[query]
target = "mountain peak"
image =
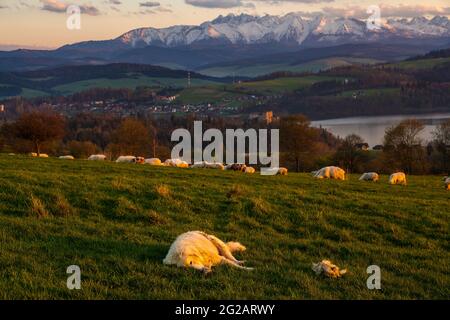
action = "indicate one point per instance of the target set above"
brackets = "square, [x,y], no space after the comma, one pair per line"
[292,27]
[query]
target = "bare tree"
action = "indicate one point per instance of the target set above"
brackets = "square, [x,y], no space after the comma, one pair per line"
[403,146]
[298,140]
[442,144]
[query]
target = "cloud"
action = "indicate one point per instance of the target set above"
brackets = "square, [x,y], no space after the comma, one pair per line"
[244,3]
[116,2]
[387,11]
[224,4]
[61,7]
[149,4]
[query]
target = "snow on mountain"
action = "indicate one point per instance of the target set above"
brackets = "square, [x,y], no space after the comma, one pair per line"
[247,29]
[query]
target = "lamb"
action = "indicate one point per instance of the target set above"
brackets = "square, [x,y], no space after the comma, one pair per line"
[153,162]
[97,157]
[398,178]
[330,173]
[67,158]
[201,251]
[370,176]
[282,172]
[328,269]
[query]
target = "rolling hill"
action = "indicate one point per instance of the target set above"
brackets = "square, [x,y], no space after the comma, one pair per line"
[71,79]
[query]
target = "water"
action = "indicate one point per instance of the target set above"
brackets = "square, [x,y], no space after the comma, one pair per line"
[372,129]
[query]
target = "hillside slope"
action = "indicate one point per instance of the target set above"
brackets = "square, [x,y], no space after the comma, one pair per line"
[112,221]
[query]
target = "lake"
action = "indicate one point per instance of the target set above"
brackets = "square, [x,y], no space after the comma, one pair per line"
[372,129]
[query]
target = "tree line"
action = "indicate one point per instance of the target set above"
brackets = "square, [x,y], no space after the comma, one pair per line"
[302,147]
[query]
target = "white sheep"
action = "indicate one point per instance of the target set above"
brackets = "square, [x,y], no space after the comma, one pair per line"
[126,159]
[153,162]
[330,173]
[207,165]
[66,158]
[201,251]
[177,163]
[97,157]
[398,178]
[250,170]
[370,176]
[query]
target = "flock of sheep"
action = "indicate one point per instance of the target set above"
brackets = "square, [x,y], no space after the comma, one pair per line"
[331,172]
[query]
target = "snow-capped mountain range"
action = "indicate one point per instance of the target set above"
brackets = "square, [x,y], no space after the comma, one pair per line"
[238,40]
[247,29]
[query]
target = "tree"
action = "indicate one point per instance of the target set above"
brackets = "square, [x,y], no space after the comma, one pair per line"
[298,140]
[39,127]
[442,144]
[132,138]
[403,146]
[350,154]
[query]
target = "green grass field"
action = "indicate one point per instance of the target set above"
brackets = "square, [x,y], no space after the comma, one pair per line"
[130,83]
[263,69]
[420,64]
[114,221]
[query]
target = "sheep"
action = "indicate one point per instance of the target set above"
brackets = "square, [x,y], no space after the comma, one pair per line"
[282,172]
[330,173]
[177,163]
[250,170]
[207,165]
[328,269]
[236,167]
[398,178]
[97,157]
[153,162]
[66,158]
[126,159]
[276,171]
[201,251]
[370,176]
[447,183]
[42,155]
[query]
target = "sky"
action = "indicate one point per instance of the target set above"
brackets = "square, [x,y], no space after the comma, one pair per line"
[41,24]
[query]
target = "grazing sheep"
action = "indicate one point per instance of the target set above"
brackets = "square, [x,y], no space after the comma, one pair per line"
[370,176]
[282,172]
[250,170]
[153,162]
[207,165]
[97,157]
[67,158]
[236,167]
[328,269]
[201,251]
[330,173]
[398,178]
[126,159]
[447,183]
[176,163]
[42,155]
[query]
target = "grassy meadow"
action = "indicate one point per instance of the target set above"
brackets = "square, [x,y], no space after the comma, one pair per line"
[117,221]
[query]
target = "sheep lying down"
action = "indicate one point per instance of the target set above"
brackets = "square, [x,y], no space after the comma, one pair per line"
[328,269]
[201,251]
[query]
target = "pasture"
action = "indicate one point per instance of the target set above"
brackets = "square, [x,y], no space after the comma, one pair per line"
[117,221]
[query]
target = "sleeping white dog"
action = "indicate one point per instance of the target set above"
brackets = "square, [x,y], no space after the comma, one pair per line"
[201,251]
